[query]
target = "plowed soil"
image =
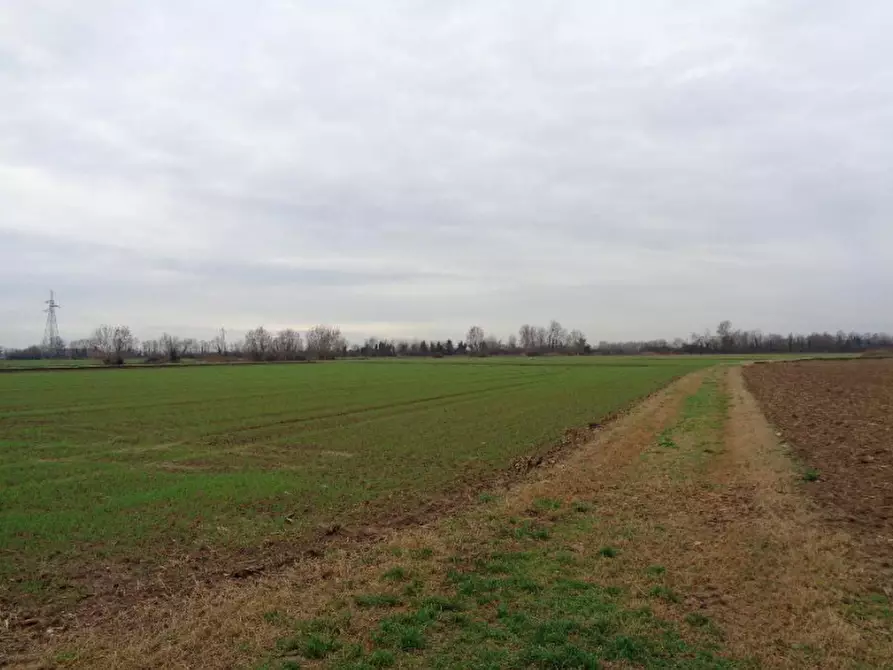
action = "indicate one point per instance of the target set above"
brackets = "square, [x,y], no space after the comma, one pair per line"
[838,418]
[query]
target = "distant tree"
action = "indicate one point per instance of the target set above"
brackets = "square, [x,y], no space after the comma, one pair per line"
[171,347]
[112,342]
[512,344]
[526,337]
[423,348]
[448,348]
[491,345]
[287,345]
[540,338]
[325,341]
[461,348]
[577,342]
[724,335]
[475,339]
[556,336]
[220,342]
[259,343]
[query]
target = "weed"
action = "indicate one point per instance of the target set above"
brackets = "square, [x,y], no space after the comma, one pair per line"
[566,558]
[546,504]
[442,604]
[609,552]
[420,554]
[414,588]
[376,600]
[397,574]
[562,656]
[316,646]
[664,593]
[696,619]
[275,617]
[66,657]
[664,440]
[486,498]
[530,530]
[655,570]
[381,658]
[582,506]
[400,634]
[289,665]
[811,475]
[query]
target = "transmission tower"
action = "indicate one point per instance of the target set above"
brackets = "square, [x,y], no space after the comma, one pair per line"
[52,343]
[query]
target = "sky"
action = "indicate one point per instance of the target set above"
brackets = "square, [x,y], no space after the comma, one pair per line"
[408,169]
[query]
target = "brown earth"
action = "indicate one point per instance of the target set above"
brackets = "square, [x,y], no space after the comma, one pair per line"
[838,418]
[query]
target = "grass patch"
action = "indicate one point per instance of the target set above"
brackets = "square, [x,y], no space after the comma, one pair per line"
[811,475]
[397,574]
[530,530]
[696,619]
[376,600]
[665,441]
[664,593]
[381,658]
[546,504]
[609,552]
[400,635]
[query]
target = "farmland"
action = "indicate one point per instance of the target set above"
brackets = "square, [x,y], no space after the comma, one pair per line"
[141,476]
[838,418]
[461,513]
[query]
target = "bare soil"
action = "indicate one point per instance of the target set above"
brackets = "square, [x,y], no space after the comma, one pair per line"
[838,418]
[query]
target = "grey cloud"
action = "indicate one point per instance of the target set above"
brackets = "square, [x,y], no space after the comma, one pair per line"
[411,168]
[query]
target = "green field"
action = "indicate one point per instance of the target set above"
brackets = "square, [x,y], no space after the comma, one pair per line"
[129,468]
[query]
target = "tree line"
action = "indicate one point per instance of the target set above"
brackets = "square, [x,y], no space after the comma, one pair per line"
[114,344]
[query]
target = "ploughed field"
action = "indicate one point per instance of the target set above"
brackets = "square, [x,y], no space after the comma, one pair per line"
[838,417]
[119,483]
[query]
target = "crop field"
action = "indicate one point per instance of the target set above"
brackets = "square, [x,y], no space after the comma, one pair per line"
[458,513]
[142,477]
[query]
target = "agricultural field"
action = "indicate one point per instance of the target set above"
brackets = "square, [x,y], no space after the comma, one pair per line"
[458,513]
[838,418]
[6,363]
[127,480]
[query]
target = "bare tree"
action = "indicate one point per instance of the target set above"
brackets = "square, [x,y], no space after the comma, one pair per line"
[724,335]
[556,336]
[325,341]
[171,347]
[220,342]
[112,342]
[288,344]
[539,337]
[527,336]
[474,340]
[577,342]
[259,343]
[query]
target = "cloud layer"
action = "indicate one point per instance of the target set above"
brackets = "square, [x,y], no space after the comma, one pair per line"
[408,169]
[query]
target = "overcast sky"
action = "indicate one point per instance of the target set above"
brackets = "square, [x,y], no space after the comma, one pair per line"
[632,169]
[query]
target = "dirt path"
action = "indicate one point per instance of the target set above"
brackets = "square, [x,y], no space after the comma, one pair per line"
[679,537]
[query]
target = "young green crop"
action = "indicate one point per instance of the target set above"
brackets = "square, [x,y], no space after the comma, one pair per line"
[112,465]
